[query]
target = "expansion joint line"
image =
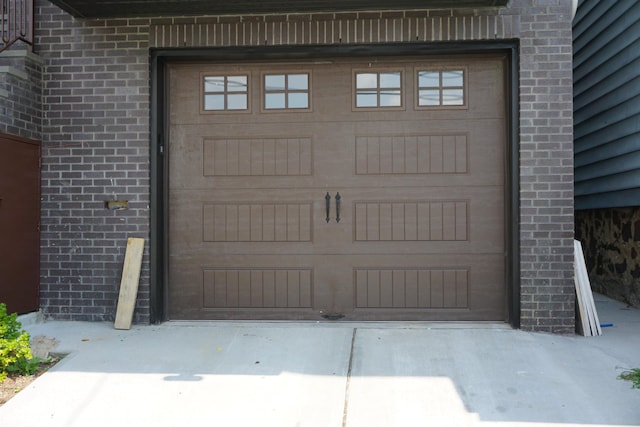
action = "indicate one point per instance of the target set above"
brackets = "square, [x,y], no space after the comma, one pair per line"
[346,391]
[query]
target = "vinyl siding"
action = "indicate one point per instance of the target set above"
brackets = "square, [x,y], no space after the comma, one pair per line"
[607,104]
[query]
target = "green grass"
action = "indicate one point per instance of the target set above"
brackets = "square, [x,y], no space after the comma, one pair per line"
[632,375]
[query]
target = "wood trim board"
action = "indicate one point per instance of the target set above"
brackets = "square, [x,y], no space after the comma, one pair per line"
[129,283]
[589,320]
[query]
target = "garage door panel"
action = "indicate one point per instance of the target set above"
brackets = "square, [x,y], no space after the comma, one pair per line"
[417,288]
[462,217]
[484,76]
[430,284]
[257,288]
[487,82]
[419,230]
[257,222]
[425,285]
[239,284]
[437,155]
[201,158]
[332,183]
[201,216]
[267,156]
[411,154]
[411,221]
[420,282]
[415,159]
[438,218]
[185,91]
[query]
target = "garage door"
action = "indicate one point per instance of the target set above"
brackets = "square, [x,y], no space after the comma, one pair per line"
[358,190]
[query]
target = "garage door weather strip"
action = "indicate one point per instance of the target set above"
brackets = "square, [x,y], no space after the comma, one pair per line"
[346,391]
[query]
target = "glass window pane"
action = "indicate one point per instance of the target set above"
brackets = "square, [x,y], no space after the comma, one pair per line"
[214,102]
[237,84]
[367,99]
[214,84]
[366,81]
[298,82]
[429,98]
[390,80]
[452,78]
[237,102]
[428,79]
[274,101]
[274,82]
[452,97]
[390,98]
[298,100]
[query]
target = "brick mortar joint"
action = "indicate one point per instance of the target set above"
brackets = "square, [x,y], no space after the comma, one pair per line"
[487,12]
[511,11]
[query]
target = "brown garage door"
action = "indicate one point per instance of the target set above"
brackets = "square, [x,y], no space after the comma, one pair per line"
[369,189]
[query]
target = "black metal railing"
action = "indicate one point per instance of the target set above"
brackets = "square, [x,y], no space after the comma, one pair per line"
[16,23]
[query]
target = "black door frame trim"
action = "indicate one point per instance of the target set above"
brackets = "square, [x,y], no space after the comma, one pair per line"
[160,58]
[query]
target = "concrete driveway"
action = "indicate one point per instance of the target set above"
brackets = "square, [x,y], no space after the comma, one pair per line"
[250,374]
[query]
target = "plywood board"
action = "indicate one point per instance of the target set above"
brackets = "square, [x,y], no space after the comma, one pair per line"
[129,283]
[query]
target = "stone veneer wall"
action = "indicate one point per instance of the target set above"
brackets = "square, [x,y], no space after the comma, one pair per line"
[611,243]
[96,142]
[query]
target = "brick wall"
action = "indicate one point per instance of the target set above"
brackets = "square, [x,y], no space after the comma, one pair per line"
[546,174]
[97,136]
[21,93]
[95,148]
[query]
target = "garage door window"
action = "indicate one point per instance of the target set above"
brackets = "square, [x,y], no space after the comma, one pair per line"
[441,88]
[378,89]
[226,93]
[286,91]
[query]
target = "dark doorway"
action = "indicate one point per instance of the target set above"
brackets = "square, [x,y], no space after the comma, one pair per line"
[19,223]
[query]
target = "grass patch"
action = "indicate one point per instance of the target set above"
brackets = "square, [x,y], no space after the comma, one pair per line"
[632,375]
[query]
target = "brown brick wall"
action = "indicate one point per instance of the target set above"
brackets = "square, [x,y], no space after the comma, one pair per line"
[97,135]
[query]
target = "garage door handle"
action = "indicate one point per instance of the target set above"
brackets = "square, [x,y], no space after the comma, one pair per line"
[327,203]
[338,207]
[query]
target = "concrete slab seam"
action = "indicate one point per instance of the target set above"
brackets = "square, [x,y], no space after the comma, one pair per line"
[348,382]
